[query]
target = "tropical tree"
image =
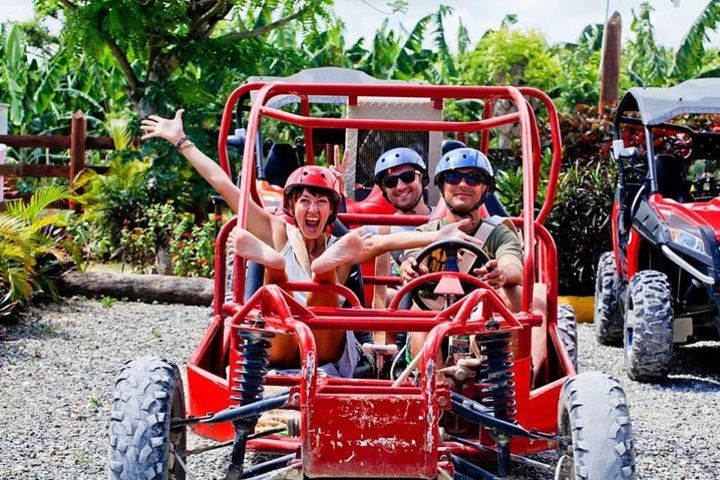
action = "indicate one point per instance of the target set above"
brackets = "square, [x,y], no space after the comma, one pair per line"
[649,64]
[509,56]
[164,37]
[692,58]
[45,84]
[402,56]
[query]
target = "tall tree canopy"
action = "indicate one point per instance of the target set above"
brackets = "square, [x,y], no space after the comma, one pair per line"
[149,39]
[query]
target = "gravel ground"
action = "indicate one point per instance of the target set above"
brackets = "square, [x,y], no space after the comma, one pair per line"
[58,367]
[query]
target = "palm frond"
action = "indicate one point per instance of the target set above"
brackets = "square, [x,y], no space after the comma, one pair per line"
[403,57]
[713,72]
[10,228]
[42,198]
[119,129]
[446,59]
[692,48]
[463,39]
[21,283]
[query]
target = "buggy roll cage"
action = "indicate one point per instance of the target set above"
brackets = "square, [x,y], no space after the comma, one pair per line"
[264,92]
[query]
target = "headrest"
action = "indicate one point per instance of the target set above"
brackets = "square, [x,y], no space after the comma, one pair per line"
[281,162]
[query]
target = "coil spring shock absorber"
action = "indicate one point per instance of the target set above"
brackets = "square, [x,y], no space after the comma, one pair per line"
[248,380]
[499,390]
[496,374]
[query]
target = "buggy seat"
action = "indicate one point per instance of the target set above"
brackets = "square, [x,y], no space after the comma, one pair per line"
[671,172]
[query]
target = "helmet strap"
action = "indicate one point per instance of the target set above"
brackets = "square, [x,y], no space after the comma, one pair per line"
[469,212]
[412,209]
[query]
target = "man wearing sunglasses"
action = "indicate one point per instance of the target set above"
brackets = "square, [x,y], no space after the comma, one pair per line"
[465,178]
[402,176]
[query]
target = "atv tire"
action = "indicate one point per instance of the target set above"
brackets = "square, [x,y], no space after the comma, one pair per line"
[594,414]
[608,322]
[567,328]
[649,327]
[148,393]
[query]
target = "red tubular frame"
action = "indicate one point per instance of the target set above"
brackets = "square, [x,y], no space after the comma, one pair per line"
[522,116]
[208,386]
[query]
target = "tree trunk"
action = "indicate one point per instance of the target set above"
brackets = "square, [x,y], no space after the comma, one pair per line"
[610,64]
[146,288]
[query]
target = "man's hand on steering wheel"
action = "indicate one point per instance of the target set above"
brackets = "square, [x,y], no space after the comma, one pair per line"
[410,269]
[492,274]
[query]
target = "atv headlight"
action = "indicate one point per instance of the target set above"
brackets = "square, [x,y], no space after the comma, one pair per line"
[688,238]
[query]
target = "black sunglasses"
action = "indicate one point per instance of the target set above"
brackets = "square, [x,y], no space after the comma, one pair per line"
[391,181]
[471,178]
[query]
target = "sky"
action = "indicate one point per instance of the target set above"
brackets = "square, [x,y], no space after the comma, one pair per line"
[559,20]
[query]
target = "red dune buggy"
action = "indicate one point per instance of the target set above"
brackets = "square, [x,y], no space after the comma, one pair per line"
[660,286]
[508,390]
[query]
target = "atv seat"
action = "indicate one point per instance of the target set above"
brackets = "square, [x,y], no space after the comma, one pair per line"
[491,207]
[282,160]
[671,172]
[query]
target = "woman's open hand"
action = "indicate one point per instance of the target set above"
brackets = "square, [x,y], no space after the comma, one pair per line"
[169,129]
[453,232]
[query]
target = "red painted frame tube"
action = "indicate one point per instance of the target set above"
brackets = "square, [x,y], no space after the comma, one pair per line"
[220,267]
[556,139]
[227,121]
[363,123]
[337,288]
[485,138]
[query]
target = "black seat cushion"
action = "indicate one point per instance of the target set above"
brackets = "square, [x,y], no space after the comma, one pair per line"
[494,207]
[671,172]
[282,160]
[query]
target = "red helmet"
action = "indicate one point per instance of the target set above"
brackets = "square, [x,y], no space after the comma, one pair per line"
[315,177]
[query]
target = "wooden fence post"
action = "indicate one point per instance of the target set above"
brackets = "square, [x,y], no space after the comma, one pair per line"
[78,132]
[610,63]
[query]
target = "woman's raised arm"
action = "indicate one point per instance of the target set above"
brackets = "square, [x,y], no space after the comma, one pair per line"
[259,221]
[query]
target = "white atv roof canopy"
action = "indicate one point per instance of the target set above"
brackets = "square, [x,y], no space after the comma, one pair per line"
[657,105]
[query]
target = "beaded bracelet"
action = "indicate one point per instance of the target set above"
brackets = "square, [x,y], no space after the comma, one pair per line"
[180,142]
[187,144]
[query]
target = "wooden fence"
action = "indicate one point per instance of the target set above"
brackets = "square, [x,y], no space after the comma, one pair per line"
[78,142]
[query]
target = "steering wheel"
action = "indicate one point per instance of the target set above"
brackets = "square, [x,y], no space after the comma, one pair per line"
[443,257]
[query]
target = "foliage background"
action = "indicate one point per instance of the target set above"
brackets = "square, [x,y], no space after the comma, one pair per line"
[192,53]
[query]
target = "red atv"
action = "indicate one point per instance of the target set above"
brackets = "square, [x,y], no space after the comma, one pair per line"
[509,387]
[660,286]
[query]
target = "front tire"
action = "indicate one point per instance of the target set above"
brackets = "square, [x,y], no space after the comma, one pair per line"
[608,322]
[148,393]
[567,328]
[593,413]
[648,327]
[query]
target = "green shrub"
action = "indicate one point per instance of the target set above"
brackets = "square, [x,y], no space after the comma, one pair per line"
[33,248]
[580,219]
[139,245]
[193,247]
[161,227]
